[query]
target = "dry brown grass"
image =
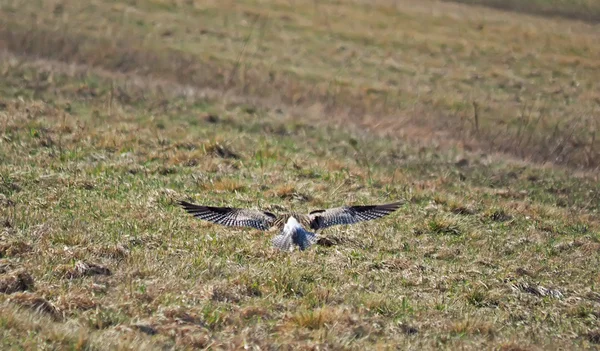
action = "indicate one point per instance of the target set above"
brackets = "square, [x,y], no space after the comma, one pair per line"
[36,303]
[81,269]
[421,78]
[8,249]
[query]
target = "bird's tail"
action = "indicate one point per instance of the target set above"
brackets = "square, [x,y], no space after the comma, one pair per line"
[286,241]
[282,242]
[305,239]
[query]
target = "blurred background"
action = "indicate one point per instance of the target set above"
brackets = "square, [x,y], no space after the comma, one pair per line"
[482,76]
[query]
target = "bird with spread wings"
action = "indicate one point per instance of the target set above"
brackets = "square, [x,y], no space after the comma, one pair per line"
[294,228]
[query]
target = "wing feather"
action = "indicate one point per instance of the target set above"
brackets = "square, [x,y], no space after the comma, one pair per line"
[232,217]
[321,219]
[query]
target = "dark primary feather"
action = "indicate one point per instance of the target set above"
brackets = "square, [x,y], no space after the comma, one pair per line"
[321,219]
[232,217]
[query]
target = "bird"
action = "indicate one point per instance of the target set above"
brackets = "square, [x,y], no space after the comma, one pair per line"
[294,229]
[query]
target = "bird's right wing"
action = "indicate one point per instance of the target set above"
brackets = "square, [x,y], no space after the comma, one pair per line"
[321,219]
[232,217]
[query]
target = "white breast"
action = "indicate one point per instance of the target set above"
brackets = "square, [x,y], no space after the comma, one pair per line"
[294,234]
[291,225]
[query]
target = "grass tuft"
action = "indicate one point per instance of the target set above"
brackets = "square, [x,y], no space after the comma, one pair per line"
[81,269]
[37,304]
[315,319]
[19,280]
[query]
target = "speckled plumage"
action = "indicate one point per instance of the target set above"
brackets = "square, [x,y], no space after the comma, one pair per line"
[293,227]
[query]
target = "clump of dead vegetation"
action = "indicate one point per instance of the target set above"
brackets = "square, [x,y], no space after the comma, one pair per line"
[81,269]
[14,248]
[75,302]
[18,280]
[220,150]
[535,289]
[37,304]
[186,328]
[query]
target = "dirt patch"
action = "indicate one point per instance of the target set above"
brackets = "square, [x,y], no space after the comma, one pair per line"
[6,266]
[594,336]
[19,280]
[14,248]
[185,328]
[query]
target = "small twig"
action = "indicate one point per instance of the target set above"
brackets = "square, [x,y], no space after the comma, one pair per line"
[110,97]
[476,116]
[591,149]
[324,12]
[363,155]
[534,126]
[60,134]
[239,59]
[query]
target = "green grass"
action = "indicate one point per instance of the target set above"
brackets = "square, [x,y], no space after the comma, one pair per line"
[491,251]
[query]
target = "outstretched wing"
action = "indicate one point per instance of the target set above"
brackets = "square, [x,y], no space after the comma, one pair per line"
[350,214]
[232,217]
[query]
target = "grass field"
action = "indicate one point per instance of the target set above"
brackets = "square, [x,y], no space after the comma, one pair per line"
[485,121]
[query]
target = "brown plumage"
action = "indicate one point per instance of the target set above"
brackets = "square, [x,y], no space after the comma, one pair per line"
[291,225]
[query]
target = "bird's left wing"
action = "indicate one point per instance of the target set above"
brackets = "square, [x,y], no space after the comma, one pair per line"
[321,219]
[232,217]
